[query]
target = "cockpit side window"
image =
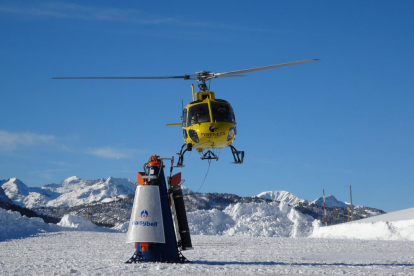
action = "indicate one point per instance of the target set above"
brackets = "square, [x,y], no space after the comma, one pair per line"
[198,114]
[184,117]
[222,112]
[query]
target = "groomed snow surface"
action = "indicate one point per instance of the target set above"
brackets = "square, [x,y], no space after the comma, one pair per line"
[97,253]
[243,239]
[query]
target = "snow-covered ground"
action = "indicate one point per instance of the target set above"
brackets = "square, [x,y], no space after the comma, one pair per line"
[397,225]
[97,253]
[76,247]
[406,214]
[381,230]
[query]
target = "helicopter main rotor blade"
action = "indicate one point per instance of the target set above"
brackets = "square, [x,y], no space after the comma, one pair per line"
[185,77]
[200,76]
[220,75]
[231,76]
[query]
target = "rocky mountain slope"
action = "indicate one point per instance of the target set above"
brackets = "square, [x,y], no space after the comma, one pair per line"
[3,196]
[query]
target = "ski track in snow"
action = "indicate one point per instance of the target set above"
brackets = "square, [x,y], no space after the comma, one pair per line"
[98,253]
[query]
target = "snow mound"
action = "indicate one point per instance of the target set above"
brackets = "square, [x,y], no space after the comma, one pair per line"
[397,225]
[381,230]
[251,219]
[79,223]
[209,222]
[15,226]
[247,219]
[121,227]
[406,214]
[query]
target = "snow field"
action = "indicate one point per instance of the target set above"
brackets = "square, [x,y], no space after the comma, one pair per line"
[99,253]
[243,239]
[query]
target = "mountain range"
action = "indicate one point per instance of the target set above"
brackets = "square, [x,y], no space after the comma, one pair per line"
[70,192]
[75,191]
[108,202]
[283,196]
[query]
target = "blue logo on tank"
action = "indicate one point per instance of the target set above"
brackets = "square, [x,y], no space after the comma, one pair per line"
[144,214]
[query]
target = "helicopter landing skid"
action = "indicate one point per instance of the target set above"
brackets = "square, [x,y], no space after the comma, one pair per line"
[237,155]
[209,155]
[181,154]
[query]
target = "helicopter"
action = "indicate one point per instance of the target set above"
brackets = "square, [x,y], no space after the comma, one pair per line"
[208,124]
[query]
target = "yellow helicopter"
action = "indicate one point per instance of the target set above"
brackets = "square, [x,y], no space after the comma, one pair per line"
[208,124]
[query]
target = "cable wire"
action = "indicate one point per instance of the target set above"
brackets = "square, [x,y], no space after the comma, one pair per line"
[209,162]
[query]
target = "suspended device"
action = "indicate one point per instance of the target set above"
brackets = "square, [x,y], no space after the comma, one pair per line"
[158,225]
[208,124]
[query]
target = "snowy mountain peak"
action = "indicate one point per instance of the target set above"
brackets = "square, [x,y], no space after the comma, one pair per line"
[15,186]
[330,201]
[282,196]
[15,189]
[16,181]
[71,180]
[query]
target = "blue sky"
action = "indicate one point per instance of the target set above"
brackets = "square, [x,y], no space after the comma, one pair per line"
[344,120]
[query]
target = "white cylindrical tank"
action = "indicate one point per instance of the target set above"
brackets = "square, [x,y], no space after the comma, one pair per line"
[146,224]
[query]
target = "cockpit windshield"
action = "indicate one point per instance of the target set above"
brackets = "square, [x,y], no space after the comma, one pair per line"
[198,114]
[222,112]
